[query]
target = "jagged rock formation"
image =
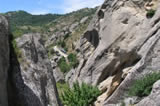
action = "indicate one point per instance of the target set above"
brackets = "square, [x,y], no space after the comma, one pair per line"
[31,81]
[4,60]
[120,46]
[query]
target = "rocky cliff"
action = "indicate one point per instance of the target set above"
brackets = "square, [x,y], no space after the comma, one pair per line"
[26,76]
[120,46]
[4,60]
[31,77]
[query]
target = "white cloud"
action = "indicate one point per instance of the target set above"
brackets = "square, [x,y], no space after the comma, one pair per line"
[64,6]
[72,5]
[39,11]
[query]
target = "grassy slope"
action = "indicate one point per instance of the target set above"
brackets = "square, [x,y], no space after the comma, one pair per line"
[23,22]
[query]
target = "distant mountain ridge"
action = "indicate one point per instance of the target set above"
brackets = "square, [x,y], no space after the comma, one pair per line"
[25,18]
[22,22]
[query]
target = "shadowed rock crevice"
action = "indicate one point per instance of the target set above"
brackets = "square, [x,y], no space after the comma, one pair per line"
[18,93]
[43,83]
[119,63]
[34,54]
[92,37]
[101,14]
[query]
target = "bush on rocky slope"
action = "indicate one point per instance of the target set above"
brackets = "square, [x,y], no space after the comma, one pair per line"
[63,65]
[143,86]
[66,66]
[17,50]
[62,87]
[72,58]
[150,13]
[83,95]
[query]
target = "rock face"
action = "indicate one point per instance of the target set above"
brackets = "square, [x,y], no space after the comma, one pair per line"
[31,80]
[4,59]
[58,75]
[120,46]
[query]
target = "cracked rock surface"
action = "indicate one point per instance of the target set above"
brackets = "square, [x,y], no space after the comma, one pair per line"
[120,46]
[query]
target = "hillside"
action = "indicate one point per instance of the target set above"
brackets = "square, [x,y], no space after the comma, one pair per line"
[23,22]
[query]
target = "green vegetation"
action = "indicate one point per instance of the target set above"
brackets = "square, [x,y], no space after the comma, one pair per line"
[83,95]
[17,50]
[123,103]
[66,36]
[50,51]
[66,66]
[63,65]
[150,13]
[17,33]
[61,44]
[22,22]
[62,87]
[21,18]
[72,58]
[143,86]
[75,36]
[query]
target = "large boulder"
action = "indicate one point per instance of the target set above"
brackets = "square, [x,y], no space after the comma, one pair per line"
[121,43]
[4,60]
[31,78]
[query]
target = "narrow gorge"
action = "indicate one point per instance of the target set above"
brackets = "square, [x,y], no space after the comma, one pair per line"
[102,56]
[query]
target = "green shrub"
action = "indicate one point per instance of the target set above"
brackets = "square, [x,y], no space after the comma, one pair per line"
[17,50]
[83,95]
[66,36]
[62,44]
[143,86]
[50,53]
[17,33]
[50,50]
[62,87]
[72,58]
[66,49]
[123,103]
[62,64]
[150,13]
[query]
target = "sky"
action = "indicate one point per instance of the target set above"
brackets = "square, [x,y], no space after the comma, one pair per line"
[47,6]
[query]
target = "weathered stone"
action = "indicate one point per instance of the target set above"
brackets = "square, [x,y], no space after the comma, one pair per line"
[32,79]
[58,75]
[83,20]
[4,60]
[73,26]
[126,47]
